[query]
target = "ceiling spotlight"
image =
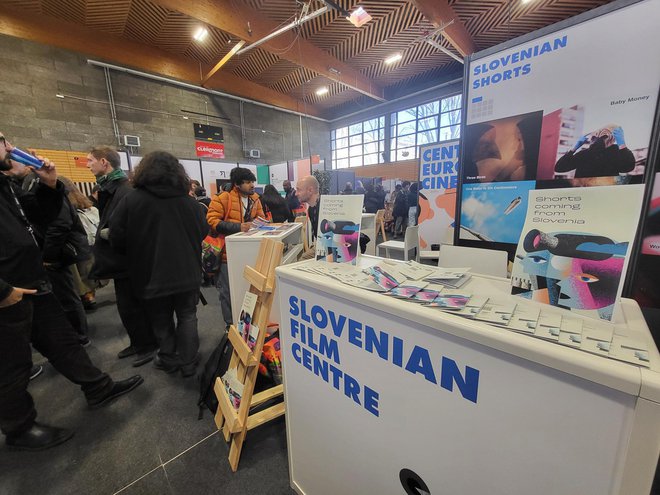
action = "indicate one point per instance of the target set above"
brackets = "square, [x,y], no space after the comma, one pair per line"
[393,58]
[322,91]
[201,34]
[59,95]
[359,17]
[526,1]
[185,118]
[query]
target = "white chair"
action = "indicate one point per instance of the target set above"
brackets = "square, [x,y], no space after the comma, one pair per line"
[482,261]
[448,238]
[410,242]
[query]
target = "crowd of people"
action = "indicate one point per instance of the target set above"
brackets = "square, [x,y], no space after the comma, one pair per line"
[145,234]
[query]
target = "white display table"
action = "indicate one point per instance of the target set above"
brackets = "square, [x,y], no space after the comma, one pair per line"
[368,227]
[382,393]
[242,250]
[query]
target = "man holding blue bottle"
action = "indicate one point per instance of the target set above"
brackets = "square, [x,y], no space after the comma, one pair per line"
[29,313]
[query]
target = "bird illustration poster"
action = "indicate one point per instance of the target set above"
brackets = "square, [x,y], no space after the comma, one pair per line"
[575,246]
[338,236]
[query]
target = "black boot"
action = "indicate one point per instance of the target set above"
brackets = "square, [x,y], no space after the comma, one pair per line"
[38,437]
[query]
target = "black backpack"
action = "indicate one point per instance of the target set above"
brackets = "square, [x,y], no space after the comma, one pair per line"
[215,367]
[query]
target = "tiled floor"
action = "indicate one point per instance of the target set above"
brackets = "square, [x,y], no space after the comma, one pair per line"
[148,442]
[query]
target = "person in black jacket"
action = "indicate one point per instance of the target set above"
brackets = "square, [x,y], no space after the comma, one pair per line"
[64,243]
[291,196]
[29,313]
[160,227]
[105,164]
[372,200]
[276,205]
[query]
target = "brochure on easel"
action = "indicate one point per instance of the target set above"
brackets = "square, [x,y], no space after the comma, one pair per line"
[338,235]
[575,246]
[233,386]
[247,315]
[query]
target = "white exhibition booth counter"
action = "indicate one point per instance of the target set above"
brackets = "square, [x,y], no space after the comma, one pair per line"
[242,251]
[384,396]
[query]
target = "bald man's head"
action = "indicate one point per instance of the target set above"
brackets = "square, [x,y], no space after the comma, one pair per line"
[307,189]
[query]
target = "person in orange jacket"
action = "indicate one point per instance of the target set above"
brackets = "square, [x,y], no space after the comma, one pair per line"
[229,213]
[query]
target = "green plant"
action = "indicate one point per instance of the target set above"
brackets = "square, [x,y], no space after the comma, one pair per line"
[323,176]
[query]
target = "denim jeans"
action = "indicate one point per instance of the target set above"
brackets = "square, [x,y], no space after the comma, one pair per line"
[178,343]
[40,320]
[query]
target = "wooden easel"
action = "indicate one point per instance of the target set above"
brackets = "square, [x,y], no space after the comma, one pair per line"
[236,423]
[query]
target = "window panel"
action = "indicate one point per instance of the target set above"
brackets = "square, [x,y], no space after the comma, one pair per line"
[429,123]
[342,132]
[406,115]
[370,125]
[428,109]
[371,159]
[355,129]
[342,143]
[334,155]
[355,140]
[451,103]
[332,134]
[356,161]
[405,141]
[370,136]
[381,121]
[343,163]
[426,137]
[452,132]
[355,151]
[405,154]
[450,118]
[342,153]
[407,128]
[371,147]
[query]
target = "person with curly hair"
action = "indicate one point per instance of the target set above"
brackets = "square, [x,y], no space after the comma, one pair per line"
[160,228]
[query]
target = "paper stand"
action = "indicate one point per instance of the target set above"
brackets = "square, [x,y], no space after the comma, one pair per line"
[236,423]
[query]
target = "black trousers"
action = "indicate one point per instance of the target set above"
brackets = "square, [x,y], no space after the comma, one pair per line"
[178,343]
[66,293]
[40,320]
[133,316]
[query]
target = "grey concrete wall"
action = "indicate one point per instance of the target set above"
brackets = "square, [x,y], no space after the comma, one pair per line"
[32,116]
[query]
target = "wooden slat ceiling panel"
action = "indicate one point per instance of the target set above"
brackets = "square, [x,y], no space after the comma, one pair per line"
[108,16]
[397,26]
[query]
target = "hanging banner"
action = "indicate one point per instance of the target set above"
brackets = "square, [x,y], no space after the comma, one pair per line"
[573,108]
[438,179]
[209,150]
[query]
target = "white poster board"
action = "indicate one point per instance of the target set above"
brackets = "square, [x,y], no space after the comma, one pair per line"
[567,109]
[213,171]
[193,169]
[438,180]
[278,174]
[123,156]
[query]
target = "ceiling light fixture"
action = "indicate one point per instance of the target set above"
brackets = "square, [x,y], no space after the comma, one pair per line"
[393,58]
[201,34]
[59,95]
[322,91]
[359,17]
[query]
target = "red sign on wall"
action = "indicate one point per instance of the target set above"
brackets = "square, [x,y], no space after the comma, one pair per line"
[207,149]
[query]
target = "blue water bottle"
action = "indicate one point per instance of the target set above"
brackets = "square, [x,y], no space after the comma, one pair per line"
[25,158]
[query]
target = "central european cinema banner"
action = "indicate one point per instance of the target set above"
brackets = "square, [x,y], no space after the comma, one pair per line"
[572,108]
[438,179]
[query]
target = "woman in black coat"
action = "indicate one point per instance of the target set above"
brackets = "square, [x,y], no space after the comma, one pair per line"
[276,204]
[161,228]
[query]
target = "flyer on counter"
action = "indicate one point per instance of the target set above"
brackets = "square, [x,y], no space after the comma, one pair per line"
[338,235]
[575,246]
